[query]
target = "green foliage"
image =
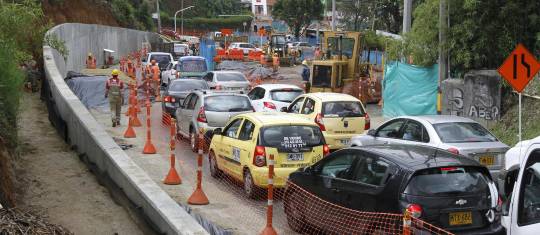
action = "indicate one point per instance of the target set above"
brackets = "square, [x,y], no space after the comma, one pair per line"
[11,80]
[480,36]
[297,13]
[214,8]
[144,17]
[209,23]
[58,44]
[124,13]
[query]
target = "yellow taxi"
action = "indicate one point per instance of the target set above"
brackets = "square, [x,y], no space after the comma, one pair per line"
[340,116]
[242,148]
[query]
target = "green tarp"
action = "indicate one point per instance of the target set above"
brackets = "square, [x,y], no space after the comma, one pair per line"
[409,90]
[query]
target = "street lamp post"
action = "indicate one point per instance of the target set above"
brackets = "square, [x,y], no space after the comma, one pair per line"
[176,13]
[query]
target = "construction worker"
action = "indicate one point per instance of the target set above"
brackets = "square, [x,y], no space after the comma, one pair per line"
[90,61]
[113,91]
[275,62]
[130,69]
[305,75]
[155,79]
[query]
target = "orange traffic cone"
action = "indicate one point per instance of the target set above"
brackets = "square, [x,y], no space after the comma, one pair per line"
[199,197]
[130,132]
[149,148]
[172,177]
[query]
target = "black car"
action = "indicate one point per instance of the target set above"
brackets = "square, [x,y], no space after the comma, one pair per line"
[447,190]
[177,91]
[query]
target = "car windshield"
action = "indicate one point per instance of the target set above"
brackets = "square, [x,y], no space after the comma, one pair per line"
[291,136]
[343,109]
[463,132]
[183,85]
[161,59]
[230,77]
[227,103]
[447,181]
[279,40]
[191,66]
[285,95]
[246,45]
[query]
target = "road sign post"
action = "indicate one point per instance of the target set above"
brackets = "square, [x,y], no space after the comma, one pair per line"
[518,70]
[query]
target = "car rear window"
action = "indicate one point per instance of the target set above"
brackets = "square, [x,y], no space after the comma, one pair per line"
[463,132]
[227,103]
[161,59]
[444,181]
[343,109]
[230,77]
[285,95]
[191,66]
[183,85]
[291,136]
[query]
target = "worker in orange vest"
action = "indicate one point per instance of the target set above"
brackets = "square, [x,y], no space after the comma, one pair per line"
[275,62]
[130,69]
[147,71]
[90,62]
[113,91]
[155,79]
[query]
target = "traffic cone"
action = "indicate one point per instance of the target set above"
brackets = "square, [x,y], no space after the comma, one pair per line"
[149,148]
[199,197]
[172,177]
[129,133]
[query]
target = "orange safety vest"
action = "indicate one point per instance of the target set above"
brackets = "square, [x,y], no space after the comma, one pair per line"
[131,71]
[155,72]
[148,69]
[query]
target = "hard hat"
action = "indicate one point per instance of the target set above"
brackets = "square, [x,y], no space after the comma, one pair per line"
[89,54]
[304,62]
[115,72]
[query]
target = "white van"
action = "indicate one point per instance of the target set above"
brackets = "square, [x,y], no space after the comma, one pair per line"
[521,209]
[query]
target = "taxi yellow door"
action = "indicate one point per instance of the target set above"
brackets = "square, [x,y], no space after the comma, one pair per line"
[243,147]
[228,157]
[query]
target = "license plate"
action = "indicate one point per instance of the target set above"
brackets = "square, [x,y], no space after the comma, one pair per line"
[460,218]
[295,157]
[487,160]
[345,141]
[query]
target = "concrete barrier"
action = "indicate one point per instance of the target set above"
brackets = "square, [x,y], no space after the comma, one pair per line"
[89,138]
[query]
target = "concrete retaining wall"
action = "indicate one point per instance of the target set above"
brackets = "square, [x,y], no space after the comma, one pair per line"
[90,139]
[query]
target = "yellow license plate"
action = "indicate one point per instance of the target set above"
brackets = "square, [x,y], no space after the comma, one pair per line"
[487,160]
[460,218]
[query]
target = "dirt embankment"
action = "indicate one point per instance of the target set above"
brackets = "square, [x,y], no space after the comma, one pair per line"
[6,186]
[78,11]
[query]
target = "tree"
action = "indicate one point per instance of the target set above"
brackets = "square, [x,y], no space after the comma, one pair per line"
[297,13]
[355,13]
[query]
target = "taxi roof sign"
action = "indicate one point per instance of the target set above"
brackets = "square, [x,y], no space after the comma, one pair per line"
[519,68]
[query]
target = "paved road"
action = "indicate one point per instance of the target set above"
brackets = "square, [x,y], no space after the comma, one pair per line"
[229,208]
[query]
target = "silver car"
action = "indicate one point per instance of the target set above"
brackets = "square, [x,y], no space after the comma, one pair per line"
[456,134]
[208,110]
[227,81]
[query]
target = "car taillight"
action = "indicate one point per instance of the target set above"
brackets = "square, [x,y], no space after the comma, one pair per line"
[415,210]
[201,117]
[177,74]
[367,122]
[448,168]
[259,156]
[269,105]
[325,150]
[169,99]
[453,150]
[319,121]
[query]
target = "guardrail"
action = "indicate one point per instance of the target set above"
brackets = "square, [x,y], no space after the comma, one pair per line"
[91,140]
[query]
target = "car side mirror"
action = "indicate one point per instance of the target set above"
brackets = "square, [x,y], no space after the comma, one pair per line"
[372,132]
[217,131]
[284,109]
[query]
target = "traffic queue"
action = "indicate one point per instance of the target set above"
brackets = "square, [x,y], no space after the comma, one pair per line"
[446,170]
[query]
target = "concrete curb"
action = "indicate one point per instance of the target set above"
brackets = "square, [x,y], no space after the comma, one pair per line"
[90,139]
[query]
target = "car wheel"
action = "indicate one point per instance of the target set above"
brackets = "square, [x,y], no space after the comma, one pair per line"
[294,212]
[194,141]
[214,169]
[249,185]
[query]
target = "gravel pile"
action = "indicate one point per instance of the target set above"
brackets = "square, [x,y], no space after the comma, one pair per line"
[14,221]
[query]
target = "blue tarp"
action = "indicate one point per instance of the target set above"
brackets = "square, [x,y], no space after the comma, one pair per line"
[409,90]
[207,49]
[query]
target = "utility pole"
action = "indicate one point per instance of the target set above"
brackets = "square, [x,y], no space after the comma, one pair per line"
[182,16]
[333,15]
[442,50]
[158,17]
[407,8]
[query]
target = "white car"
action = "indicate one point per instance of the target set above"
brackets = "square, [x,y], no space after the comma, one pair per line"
[162,58]
[521,208]
[245,47]
[273,97]
[169,73]
[227,81]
